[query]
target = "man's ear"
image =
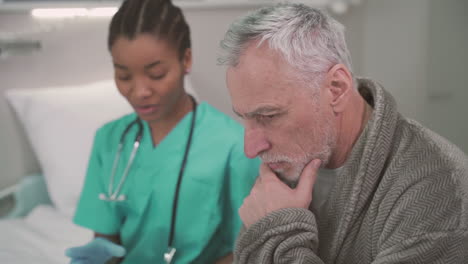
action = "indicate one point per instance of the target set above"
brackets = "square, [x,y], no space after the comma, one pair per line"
[339,83]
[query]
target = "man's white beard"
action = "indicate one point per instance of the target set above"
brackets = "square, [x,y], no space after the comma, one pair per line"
[291,178]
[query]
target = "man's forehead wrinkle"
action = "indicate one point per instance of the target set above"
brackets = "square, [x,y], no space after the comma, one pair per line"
[263,80]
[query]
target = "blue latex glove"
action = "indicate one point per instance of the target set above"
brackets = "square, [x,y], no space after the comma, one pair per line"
[98,251]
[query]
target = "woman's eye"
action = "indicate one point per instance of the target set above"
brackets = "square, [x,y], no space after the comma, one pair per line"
[124,78]
[157,77]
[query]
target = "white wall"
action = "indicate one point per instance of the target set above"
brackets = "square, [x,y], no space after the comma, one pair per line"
[447,109]
[395,48]
[417,50]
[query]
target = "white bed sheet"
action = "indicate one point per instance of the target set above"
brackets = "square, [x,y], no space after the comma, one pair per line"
[41,237]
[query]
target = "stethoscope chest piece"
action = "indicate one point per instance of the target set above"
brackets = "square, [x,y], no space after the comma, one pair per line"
[114,195]
[169,255]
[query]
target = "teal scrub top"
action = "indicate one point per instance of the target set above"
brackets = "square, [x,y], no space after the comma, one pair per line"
[217,178]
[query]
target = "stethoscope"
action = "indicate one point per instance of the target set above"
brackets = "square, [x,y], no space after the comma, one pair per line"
[114,196]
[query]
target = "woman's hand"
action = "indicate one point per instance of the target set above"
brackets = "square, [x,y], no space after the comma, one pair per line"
[98,251]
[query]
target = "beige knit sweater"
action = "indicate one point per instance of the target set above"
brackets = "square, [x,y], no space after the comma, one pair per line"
[402,197]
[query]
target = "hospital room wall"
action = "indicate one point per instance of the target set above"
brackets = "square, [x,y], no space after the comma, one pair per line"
[447,111]
[389,41]
[417,50]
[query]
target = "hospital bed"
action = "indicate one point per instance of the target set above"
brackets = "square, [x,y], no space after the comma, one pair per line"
[60,123]
[35,231]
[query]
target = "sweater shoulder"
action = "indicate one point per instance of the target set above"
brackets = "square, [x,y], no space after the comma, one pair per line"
[425,185]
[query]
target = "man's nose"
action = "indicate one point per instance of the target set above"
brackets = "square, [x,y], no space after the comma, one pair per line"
[255,142]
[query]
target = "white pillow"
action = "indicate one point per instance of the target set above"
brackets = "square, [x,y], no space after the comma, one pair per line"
[60,123]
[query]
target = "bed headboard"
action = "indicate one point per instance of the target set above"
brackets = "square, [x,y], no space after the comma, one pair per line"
[62,61]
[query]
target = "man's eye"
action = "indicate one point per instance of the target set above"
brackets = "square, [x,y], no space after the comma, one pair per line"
[266,118]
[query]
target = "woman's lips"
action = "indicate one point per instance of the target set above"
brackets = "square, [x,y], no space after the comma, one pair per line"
[146,109]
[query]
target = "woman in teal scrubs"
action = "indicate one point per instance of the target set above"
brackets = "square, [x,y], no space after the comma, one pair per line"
[130,197]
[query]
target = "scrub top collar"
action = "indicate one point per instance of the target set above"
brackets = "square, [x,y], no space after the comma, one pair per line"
[174,142]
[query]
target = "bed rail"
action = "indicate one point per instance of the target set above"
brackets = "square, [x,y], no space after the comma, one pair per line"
[27,194]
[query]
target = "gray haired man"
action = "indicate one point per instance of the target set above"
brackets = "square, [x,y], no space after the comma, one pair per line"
[389,191]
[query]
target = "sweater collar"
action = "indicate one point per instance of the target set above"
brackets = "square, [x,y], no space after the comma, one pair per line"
[366,163]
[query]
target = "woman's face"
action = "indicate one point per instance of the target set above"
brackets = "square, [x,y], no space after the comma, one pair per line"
[149,74]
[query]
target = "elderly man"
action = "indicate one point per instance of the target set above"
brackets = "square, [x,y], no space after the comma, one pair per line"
[389,191]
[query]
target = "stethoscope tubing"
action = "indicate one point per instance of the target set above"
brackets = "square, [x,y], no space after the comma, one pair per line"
[181,173]
[114,195]
[136,145]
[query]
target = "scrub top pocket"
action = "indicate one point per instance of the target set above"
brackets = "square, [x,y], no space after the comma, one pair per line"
[199,210]
[135,204]
[139,194]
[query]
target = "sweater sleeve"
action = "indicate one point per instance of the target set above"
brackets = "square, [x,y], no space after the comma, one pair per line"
[285,236]
[427,224]
[431,248]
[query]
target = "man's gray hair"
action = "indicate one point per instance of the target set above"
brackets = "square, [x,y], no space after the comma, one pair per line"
[308,38]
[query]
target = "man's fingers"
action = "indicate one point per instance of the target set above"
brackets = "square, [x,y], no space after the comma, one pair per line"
[264,169]
[308,176]
[267,174]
